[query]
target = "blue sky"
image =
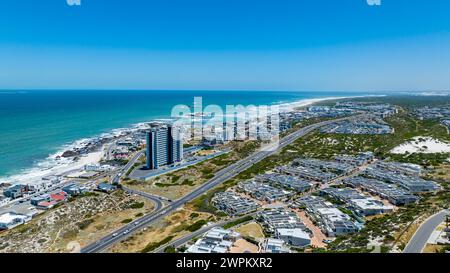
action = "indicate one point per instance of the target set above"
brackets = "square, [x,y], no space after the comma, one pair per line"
[225,44]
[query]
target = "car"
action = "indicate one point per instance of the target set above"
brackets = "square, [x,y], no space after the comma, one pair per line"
[126,232]
[136,223]
[115,234]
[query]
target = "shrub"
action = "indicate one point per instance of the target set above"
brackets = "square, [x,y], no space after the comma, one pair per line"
[238,221]
[170,249]
[193,215]
[137,205]
[153,246]
[196,226]
[84,224]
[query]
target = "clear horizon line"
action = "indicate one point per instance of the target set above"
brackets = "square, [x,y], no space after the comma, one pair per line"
[202,89]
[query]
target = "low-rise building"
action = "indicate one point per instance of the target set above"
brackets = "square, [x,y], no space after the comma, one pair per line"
[59,197]
[74,189]
[41,198]
[328,217]
[263,192]
[341,194]
[98,168]
[233,204]
[121,152]
[339,168]
[400,168]
[18,191]
[10,220]
[369,206]
[368,126]
[217,240]
[427,113]
[357,202]
[25,209]
[416,184]
[272,245]
[46,205]
[358,160]
[286,181]
[279,218]
[293,236]
[335,222]
[392,193]
[312,174]
[105,187]
[401,177]
[53,179]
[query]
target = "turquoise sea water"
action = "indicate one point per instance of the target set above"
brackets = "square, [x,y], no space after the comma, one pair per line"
[36,124]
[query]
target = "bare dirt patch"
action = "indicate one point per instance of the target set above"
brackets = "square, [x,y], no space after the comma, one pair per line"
[251,229]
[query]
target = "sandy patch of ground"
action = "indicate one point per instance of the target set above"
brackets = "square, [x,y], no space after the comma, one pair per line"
[251,229]
[243,246]
[206,152]
[431,248]
[426,145]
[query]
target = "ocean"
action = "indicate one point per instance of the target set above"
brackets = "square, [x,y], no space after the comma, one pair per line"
[37,124]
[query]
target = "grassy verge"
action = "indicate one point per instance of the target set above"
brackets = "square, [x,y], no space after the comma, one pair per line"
[238,222]
[152,246]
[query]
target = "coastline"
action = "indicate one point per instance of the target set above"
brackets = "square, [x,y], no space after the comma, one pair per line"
[55,165]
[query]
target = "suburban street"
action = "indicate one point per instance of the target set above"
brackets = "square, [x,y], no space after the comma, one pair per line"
[220,177]
[420,238]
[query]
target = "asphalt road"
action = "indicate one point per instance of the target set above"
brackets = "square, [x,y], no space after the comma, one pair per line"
[116,177]
[128,229]
[220,177]
[420,238]
[183,240]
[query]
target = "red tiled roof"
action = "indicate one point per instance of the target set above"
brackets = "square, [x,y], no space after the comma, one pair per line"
[47,204]
[58,197]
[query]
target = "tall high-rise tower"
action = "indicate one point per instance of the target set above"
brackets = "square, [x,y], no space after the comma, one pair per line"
[164,146]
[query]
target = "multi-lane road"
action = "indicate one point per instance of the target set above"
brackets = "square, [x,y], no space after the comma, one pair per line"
[115,178]
[220,177]
[420,238]
[128,229]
